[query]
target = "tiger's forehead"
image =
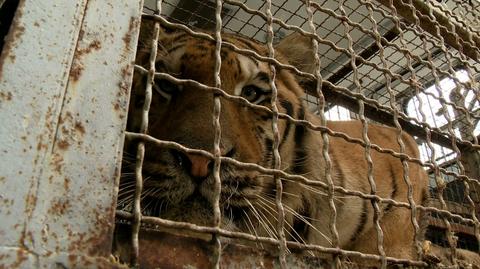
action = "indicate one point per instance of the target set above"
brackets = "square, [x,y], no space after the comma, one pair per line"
[195,54]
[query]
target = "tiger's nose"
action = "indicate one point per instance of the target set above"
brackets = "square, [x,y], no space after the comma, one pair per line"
[197,166]
[200,166]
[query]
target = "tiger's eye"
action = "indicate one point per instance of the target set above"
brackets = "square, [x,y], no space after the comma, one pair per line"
[251,93]
[166,88]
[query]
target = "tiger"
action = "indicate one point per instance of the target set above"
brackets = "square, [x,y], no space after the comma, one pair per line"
[179,186]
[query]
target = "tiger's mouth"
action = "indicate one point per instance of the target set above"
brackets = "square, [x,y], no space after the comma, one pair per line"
[193,202]
[197,209]
[170,191]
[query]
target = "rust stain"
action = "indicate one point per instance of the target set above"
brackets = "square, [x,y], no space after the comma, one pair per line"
[59,207]
[40,146]
[21,257]
[79,127]
[76,71]
[72,258]
[128,36]
[63,144]
[57,163]
[102,239]
[6,96]
[127,71]
[97,241]
[77,66]
[66,184]
[94,45]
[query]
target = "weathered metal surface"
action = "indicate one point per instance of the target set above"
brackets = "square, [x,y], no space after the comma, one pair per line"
[33,75]
[165,250]
[19,258]
[65,72]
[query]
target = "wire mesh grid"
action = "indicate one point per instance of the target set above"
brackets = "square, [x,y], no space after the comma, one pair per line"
[367,56]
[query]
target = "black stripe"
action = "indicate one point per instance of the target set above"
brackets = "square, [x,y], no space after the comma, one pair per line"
[260,130]
[394,188]
[300,151]
[299,225]
[174,48]
[265,117]
[289,111]
[180,38]
[223,54]
[361,224]
[238,65]
[268,145]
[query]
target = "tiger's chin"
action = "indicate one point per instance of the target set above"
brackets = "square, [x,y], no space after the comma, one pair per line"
[195,209]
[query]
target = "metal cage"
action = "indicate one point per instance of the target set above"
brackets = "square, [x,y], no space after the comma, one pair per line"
[409,64]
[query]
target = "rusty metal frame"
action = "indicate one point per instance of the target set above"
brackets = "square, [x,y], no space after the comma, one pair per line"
[65,74]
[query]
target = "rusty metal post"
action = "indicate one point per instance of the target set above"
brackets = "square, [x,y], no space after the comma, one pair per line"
[65,74]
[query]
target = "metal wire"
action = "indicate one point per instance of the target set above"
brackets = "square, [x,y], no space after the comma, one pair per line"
[217,136]
[181,226]
[401,143]
[451,239]
[141,145]
[325,140]
[342,90]
[276,144]
[373,188]
[306,123]
[354,87]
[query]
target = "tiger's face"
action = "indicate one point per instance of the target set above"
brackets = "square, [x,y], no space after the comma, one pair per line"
[179,186]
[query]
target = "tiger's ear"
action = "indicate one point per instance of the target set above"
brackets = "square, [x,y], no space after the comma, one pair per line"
[298,51]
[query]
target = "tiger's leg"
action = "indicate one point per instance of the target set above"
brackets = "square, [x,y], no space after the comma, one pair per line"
[398,237]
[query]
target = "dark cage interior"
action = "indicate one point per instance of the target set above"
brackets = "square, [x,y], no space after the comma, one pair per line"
[7,12]
[400,69]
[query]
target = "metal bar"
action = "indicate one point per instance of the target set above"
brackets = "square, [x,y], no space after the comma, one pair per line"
[377,215]
[303,179]
[140,155]
[325,139]
[217,217]
[422,34]
[182,226]
[276,143]
[406,168]
[431,18]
